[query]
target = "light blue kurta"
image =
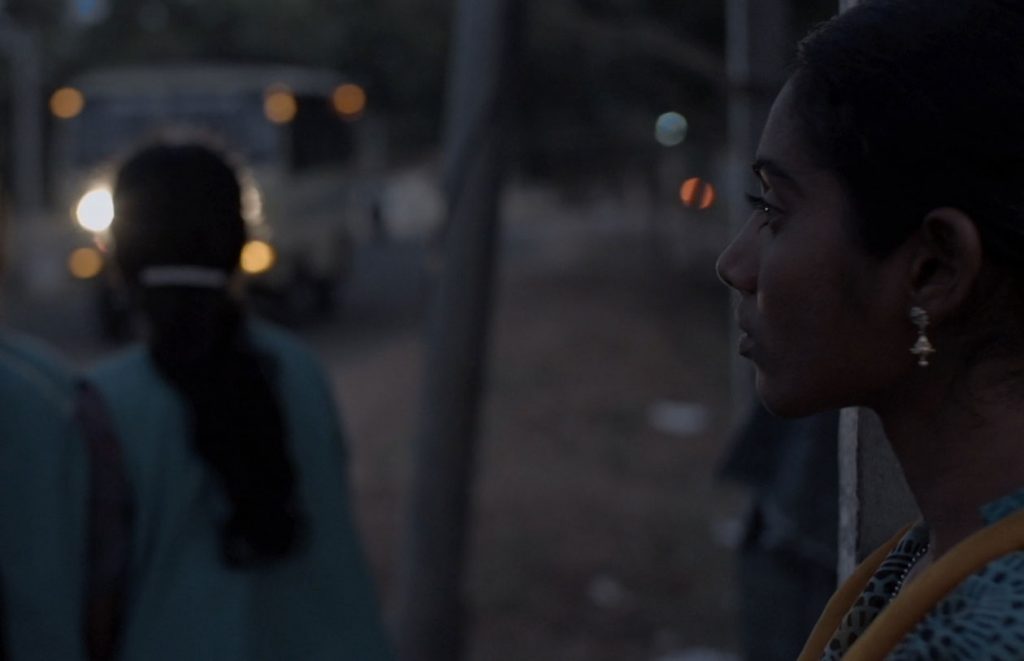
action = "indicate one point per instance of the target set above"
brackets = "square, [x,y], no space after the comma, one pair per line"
[43,496]
[183,602]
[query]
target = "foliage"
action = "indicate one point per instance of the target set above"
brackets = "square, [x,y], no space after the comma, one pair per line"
[600,71]
[594,74]
[35,12]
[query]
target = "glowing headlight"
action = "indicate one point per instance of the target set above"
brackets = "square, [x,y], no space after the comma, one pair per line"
[257,257]
[95,211]
[252,204]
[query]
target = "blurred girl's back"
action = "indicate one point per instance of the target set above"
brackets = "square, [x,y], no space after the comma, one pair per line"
[242,544]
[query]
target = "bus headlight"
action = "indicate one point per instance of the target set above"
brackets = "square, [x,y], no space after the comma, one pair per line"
[257,257]
[95,211]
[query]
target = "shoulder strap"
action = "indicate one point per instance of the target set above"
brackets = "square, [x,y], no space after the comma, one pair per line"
[921,596]
[844,598]
[3,626]
[110,521]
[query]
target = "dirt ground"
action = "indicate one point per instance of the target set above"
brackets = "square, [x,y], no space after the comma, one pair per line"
[599,534]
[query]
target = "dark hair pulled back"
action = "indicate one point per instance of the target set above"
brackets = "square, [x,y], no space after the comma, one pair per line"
[918,104]
[180,204]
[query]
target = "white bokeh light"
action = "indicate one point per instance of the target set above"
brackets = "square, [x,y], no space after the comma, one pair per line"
[95,211]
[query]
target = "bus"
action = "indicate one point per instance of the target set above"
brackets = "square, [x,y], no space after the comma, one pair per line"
[294,128]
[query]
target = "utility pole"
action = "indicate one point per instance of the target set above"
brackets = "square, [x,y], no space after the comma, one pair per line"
[874,499]
[432,614]
[21,48]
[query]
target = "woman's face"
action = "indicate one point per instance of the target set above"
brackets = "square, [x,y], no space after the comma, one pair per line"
[823,323]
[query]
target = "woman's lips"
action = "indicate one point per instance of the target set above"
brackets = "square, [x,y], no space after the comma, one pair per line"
[745,344]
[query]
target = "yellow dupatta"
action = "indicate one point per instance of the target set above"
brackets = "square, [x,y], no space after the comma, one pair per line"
[918,597]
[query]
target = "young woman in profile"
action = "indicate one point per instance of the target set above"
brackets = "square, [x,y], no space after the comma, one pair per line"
[241,544]
[883,266]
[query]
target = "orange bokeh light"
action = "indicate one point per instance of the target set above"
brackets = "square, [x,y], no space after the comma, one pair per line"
[279,105]
[349,100]
[697,193]
[67,102]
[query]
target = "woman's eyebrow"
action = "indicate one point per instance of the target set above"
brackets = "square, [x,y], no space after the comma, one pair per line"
[764,168]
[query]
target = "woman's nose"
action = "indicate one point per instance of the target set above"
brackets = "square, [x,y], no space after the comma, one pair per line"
[736,266]
[721,269]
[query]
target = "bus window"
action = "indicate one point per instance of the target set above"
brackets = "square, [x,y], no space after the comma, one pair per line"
[319,135]
[110,125]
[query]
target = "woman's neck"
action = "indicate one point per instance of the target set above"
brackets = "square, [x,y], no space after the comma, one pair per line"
[960,448]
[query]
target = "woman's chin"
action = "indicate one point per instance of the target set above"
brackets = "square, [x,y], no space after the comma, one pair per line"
[787,402]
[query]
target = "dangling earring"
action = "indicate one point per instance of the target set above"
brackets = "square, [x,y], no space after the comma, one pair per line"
[923,347]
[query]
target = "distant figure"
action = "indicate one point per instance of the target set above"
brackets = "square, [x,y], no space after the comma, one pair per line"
[43,514]
[242,546]
[787,559]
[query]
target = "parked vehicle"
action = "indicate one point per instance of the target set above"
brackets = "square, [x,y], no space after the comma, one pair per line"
[295,129]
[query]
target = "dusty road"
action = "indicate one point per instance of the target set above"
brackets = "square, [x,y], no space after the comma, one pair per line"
[599,523]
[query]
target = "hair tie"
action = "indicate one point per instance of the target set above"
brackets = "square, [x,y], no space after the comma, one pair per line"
[183,275]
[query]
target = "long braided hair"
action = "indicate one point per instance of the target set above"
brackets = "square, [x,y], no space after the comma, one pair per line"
[178,212]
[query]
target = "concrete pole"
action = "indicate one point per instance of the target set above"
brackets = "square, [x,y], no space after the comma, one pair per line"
[21,48]
[874,500]
[432,613]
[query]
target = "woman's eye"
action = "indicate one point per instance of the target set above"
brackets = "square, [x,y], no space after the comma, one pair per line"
[758,203]
[768,212]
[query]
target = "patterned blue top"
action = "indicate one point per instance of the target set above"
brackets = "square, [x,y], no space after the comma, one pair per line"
[981,620]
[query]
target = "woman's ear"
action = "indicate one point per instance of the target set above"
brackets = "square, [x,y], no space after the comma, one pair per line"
[946,263]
